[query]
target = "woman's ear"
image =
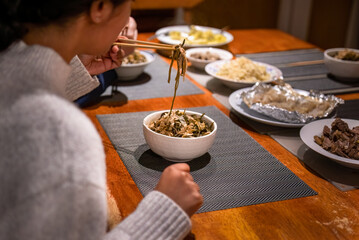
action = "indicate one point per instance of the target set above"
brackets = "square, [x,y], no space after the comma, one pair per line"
[100,11]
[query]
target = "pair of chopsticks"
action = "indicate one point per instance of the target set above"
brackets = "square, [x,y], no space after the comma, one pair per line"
[143,44]
[304,63]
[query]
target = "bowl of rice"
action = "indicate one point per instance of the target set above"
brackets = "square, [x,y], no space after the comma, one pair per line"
[242,72]
[180,136]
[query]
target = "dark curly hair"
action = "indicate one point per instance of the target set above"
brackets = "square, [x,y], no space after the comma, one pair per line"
[14,14]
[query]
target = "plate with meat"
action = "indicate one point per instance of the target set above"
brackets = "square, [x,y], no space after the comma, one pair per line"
[337,139]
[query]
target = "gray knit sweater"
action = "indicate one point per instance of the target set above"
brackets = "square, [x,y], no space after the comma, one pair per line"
[52,162]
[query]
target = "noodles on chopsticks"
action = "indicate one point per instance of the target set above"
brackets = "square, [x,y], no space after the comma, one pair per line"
[179,55]
[178,123]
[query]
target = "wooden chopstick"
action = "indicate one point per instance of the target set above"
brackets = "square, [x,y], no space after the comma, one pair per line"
[305,63]
[143,44]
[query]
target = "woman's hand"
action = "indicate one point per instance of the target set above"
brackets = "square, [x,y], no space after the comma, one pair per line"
[100,64]
[177,183]
[113,58]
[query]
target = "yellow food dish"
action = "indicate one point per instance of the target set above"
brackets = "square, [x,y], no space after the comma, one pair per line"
[196,36]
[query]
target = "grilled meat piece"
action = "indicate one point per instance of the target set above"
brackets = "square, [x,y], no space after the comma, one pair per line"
[340,140]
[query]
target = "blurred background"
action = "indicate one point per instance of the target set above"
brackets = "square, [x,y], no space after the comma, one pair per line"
[324,23]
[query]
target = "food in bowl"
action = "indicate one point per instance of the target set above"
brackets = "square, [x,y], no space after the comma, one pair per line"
[178,148]
[135,65]
[340,139]
[180,124]
[200,57]
[135,57]
[338,62]
[179,136]
[347,55]
[196,36]
[207,56]
[244,70]
[176,135]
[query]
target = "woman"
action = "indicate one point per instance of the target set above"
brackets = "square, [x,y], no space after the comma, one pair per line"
[100,70]
[52,167]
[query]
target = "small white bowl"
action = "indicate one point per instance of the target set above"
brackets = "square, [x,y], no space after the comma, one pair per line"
[133,70]
[177,149]
[341,68]
[199,63]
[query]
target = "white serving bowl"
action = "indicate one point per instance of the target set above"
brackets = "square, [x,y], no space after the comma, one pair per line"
[133,70]
[199,63]
[341,68]
[177,149]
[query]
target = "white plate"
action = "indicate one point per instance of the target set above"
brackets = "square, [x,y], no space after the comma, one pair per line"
[308,132]
[213,68]
[237,104]
[162,35]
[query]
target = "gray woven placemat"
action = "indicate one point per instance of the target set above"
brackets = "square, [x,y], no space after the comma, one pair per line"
[291,56]
[153,84]
[314,76]
[350,109]
[237,171]
[300,71]
[341,177]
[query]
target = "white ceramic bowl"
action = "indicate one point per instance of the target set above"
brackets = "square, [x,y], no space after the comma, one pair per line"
[177,149]
[132,71]
[198,63]
[341,68]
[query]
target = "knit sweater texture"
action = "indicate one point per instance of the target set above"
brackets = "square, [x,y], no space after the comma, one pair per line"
[52,162]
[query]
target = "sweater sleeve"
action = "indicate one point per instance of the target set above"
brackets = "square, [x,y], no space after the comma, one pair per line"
[156,217]
[80,82]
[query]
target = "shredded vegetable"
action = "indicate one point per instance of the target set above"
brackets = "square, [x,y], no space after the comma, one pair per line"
[180,124]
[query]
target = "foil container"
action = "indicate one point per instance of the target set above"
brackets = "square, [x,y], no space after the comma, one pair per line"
[287,94]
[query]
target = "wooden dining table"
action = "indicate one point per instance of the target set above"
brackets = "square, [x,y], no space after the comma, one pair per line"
[331,214]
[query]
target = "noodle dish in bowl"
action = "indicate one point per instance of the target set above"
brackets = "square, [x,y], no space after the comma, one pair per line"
[179,135]
[242,72]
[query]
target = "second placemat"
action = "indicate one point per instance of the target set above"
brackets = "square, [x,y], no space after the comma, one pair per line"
[152,83]
[237,171]
[305,69]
